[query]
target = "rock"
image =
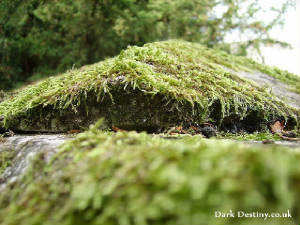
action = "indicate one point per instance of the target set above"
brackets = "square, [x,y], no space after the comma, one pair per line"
[142,90]
[155,87]
[8,134]
[25,149]
[131,110]
[208,132]
[276,86]
[292,145]
[290,134]
[266,142]
[100,175]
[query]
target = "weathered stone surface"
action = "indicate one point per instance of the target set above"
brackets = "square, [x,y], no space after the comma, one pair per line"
[129,110]
[277,87]
[109,164]
[290,144]
[25,149]
[133,110]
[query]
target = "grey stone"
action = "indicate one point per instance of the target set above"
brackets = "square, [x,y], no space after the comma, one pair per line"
[277,87]
[25,149]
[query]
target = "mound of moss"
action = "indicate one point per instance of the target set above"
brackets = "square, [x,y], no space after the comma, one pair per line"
[130,178]
[150,88]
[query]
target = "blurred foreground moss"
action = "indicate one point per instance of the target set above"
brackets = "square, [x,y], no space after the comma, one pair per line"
[133,178]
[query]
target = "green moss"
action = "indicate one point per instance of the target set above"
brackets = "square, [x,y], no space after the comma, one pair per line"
[130,178]
[178,70]
[240,63]
[6,157]
[257,136]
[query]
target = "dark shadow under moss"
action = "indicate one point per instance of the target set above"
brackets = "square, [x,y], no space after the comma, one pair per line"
[130,109]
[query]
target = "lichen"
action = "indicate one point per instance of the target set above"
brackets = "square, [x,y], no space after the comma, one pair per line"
[133,178]
[181,72]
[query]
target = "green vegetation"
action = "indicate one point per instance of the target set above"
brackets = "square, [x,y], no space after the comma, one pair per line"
[39,38]
[2,139]
[133,178]
[6,157]
[257,136]
[183,73]
[130,178]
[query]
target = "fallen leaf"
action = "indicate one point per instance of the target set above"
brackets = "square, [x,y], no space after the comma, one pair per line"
[73,131]
[116,129]
[195,128]
[277,127]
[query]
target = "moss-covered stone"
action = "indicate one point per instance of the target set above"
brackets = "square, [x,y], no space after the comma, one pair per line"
[17,152]
[129,178]
[148,88]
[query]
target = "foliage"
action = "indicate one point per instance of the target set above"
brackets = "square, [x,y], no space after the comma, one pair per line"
[131,178]
[177,70]
[43,37]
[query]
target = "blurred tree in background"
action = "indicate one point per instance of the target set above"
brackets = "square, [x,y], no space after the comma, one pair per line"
[43,37]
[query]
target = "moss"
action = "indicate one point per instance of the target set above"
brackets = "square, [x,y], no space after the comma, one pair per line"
[5,95]
[6,157]
[175,71]
[131,178]
[240,63]
[257,136]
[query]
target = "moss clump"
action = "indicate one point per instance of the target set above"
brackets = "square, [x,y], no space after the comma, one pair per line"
[188,79]
[6,157]
[130,178]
